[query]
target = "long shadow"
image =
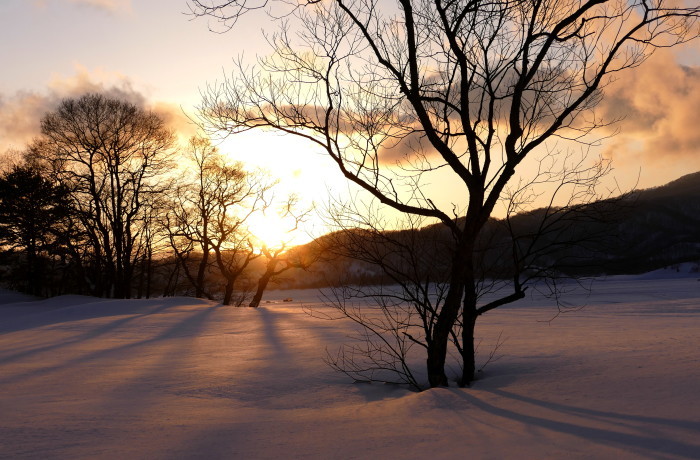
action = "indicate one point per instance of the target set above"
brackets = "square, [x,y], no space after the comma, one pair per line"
[89,334]
[191,325]
[171,357]
[271,331]
[126,316]
[323,331]
[647,442]
[282,362]
[84,308]
[582,411]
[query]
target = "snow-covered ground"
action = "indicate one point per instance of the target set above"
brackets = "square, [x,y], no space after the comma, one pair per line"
[184,378]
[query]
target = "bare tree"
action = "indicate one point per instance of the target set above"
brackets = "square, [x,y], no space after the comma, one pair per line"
[207,222]
[153,244]
[397,94]
[111,155]
[398,310]
[232,242]
[191,217]
[281,259]
[409,269]
[278,261]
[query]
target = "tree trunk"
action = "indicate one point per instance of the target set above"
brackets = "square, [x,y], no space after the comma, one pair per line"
[32,275]
[201,272]
[262,284]
[173,278]
[149,272]
[228,293]
[437,346]
[468,351]
[437,352]
[469,316]
[127,276]
[142,275]
[122,285]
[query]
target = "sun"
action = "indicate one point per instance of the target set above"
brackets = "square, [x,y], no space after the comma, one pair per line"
[274,231]
[298,171]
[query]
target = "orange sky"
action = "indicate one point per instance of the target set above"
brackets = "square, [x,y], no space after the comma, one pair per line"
[151,53]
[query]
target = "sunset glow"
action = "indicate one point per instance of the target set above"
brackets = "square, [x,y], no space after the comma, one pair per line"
[275,231]
[291,229]
[166,68]
[299,170]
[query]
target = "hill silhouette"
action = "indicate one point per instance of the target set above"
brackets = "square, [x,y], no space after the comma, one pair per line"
[643,231]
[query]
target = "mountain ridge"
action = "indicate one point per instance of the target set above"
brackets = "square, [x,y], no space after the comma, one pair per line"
[652,228]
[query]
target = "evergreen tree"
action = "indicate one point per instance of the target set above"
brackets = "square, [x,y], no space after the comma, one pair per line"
[31,210]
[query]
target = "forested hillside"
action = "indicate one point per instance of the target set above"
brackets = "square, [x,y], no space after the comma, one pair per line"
[643,231]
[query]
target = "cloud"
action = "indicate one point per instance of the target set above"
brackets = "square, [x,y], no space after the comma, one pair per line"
[657,106]
[110,6]
[21,112]
[415,146]
[176,120]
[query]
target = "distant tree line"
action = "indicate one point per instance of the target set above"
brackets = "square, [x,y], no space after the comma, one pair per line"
[105,203]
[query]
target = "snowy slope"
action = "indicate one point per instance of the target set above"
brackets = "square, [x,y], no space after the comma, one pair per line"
[185,378]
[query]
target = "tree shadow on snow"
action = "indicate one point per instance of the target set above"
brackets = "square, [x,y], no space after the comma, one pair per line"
[639,434]
[190,325]
[131,311]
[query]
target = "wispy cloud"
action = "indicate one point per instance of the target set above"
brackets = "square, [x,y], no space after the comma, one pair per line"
[110,6]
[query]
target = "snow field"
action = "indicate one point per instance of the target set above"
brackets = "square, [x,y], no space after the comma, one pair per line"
[185,378]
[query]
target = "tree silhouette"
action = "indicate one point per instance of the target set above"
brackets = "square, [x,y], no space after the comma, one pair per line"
[111,155]
[398,95]
[191,216]
[207,220]
[277,261]
[32,214]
